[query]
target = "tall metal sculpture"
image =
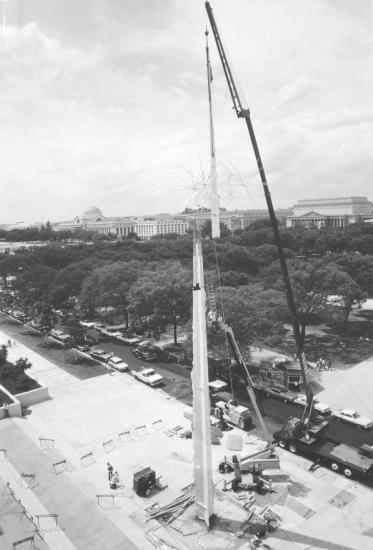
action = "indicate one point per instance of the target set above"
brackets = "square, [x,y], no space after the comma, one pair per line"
[204,488]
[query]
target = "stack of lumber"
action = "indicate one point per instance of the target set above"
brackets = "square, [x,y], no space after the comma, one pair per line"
[171,511]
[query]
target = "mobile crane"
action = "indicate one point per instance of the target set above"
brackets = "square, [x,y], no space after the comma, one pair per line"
[296,435]
[262,457]
[244,112]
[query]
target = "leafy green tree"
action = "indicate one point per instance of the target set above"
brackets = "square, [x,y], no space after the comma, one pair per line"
[3,356]
[47,233]
[362,244]
[359,267]
[346,289]
[163,297]
[36,281]
[9,266]
[75,329]
[65,235]
[351,294]
[234,279]
[56,256]
[331,240]
[6,300]
[256,234]
[310,282]
[311,290]
[18,369]
[69,280]
[254,312]
[230,257]
[47,319]
[109,286]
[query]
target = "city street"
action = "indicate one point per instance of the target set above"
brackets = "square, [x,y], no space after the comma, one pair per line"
[338,431]
[176,377]
[177,383]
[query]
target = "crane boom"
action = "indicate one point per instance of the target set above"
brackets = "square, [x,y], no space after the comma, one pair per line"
[242,112]
[214,196]
[249,383]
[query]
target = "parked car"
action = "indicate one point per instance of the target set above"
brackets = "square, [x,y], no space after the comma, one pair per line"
[148,376]
[87,324]
[18,314]
[146,351]
[129,340]
[96,353]
[102,355]
[318,406]
[353,417]
[118,364]
[91,341]
[105,357]
[83,347]
[280,393]
[35,325]
[56,333]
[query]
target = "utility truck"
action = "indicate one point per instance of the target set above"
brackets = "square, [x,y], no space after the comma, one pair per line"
[233,414]
[342,458]
[218,391]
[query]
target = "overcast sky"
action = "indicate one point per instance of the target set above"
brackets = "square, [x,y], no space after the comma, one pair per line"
[104,102]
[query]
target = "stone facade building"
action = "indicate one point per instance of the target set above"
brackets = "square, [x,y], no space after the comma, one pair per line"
[94,220]
[312,213]
[333,212]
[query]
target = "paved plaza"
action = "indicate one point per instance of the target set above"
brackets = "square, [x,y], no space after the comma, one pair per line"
[114,418]
[350,388]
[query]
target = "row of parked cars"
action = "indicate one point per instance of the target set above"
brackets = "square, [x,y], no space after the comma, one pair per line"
[141,349]
[148,376]
[112,360]
[348,415]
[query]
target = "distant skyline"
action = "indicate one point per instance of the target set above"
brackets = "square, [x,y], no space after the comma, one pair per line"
[105,102]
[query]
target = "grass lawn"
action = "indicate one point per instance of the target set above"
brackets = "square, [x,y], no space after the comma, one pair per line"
[4,398]
[22,384]
[344,349]
[80,367]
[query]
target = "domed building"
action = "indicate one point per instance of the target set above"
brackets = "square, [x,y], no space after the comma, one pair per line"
[93,214]
[93,220]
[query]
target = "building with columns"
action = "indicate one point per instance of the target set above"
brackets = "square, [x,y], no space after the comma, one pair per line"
[94,220]
[331,212]
[235,219]
[312,213]
[161,224]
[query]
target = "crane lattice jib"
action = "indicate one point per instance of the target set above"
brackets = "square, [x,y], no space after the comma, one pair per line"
[245,113]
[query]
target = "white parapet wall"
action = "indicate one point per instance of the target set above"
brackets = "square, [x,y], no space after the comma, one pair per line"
[10,409]
[33,397]
[25,399]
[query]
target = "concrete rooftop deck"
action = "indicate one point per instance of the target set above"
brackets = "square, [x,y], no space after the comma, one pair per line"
[319,510]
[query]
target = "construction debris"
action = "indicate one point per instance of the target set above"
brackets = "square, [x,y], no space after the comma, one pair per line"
[171,511]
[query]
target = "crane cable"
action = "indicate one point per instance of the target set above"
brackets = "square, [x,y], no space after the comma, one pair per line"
[223,316]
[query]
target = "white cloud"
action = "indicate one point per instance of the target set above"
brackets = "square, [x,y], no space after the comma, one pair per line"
[102,101]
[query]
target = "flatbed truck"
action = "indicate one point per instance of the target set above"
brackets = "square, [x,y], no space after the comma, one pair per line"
[341,458]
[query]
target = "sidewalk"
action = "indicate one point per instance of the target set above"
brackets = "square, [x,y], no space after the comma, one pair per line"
[53,536]
[44,371]
[350,388]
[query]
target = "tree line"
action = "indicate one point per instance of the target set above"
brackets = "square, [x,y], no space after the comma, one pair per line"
[147,284]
